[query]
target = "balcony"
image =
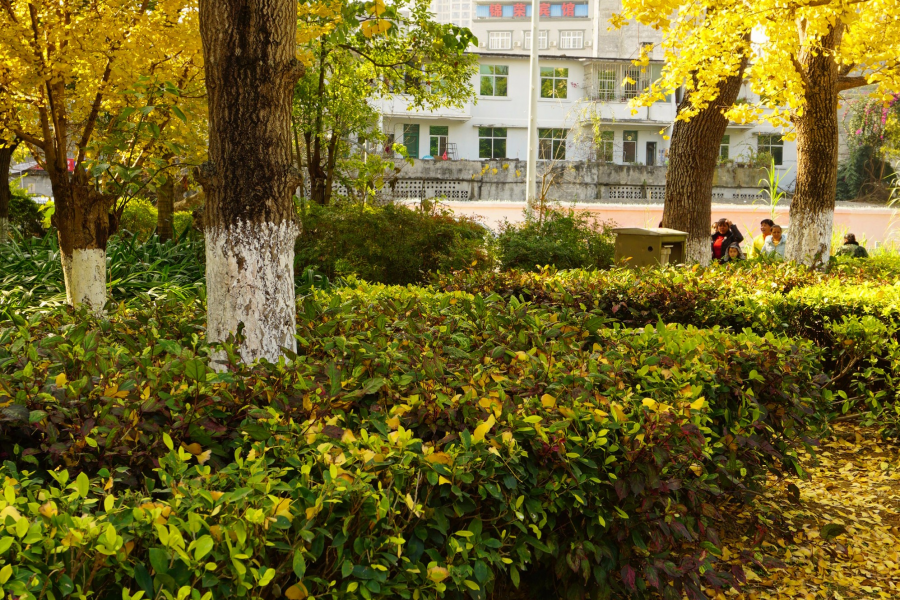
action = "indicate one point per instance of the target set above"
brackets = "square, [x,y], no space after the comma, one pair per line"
[398,106]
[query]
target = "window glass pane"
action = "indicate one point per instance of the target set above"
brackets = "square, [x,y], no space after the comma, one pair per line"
[484,132]
[581,10]
[546,88]
[629,152]
[500,132]
[486,69]
[439,129]
[501,70]
[726,139]
[500,148]
[548,72]
[487,86]
[484,148]
[556,10]
[507,11]
[482,11]
[500,86]
[607,136]
[562,72]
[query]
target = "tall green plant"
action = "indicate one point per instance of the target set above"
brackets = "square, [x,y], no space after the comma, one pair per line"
[772,182]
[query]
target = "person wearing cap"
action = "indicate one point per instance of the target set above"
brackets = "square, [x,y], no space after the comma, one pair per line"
[726,233]
[852,248]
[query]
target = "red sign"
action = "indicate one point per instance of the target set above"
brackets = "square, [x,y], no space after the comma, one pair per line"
[545,9]
[568,9]
[519,10]
[496,10]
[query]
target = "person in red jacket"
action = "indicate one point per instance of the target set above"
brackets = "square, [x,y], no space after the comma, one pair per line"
[725,235]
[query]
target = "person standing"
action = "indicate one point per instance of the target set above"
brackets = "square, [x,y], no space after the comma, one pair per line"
[775,244]
[765,229]
[726,233]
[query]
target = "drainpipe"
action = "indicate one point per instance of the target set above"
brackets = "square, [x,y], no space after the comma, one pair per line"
[535,84]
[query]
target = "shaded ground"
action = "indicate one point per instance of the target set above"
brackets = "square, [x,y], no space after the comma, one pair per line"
[840,539]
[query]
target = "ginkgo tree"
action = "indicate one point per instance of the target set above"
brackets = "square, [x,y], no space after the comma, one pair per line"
[67,68]
[808,52]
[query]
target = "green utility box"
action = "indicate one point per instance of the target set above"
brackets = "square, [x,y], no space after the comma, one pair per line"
[639,247]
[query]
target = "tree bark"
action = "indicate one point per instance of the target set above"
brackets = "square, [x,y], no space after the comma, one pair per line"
[6,152]
[165,209]
[84,223]
[812,208]
[693,155]
[249,51]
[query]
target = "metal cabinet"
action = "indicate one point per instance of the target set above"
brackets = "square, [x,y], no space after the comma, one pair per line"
[639,247]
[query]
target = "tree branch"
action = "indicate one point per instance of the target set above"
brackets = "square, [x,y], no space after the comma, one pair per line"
[802,71]
[848,83]
[30,139]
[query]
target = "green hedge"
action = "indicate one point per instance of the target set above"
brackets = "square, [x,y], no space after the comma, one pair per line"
[388,244]
[420,443]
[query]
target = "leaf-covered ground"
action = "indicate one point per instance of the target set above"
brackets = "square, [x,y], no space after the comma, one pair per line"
[837,535]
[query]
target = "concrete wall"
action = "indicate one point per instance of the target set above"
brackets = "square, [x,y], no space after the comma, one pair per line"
[572,181]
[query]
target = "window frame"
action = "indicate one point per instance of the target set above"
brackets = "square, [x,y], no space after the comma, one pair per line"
[725,147]
[559,83]
[443,131]
[491,134]
[506,36]
[556,140]
[640,76]
[494,78]
[573,34]
[606,146]
[774,145]
[543,39]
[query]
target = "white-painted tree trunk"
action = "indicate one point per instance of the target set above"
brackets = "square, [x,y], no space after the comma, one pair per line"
[4,230]
[84,273]
[809,238]
[697,252]
[250,280]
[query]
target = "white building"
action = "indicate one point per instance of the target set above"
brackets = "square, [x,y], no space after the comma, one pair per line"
[458,12]
[584,67]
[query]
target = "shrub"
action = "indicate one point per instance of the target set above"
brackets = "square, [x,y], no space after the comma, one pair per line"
[24,213]
[565,239]
[388,244]
[419,443]
[140,218]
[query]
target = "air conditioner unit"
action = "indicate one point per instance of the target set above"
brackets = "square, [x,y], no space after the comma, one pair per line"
[518,44]
[553,44]
[588,44]
[482,45]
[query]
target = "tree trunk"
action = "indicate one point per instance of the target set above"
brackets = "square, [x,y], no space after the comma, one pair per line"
[83,225]
[812,208]
[165,209]
[6,152]
[249,50]
[693,155]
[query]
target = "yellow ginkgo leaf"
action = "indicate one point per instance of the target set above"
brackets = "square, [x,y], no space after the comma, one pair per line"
[393,422]
[697,469]
[49,509]
[216,495]
[204,456]
[194,448]
[443,480]
[698,403]
[61,380]
[548,401]
[482,429]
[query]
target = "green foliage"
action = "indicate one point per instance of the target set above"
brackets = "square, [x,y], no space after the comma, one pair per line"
[139,218]
[389,244]
[420,443]
[138,271]
[24,213]
[565,239]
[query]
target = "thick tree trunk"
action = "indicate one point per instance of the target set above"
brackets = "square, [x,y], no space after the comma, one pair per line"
[812,208]
[6,153]
[693,155]
[83,225]
[165,209]
[249,51]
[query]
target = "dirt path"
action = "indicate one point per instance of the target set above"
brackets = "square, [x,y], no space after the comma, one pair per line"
[841,538]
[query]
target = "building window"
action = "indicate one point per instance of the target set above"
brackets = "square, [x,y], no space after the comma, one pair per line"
[552,144]
[773,144]
[723,147]
[493,80]
[437,146]
[641,79]
[605,144]
[607,81]
[571,40]
[554,82]
[500,40]
[492,142]
[411,140]
[581,10]
[482,11]
[629,146]
[543,37]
